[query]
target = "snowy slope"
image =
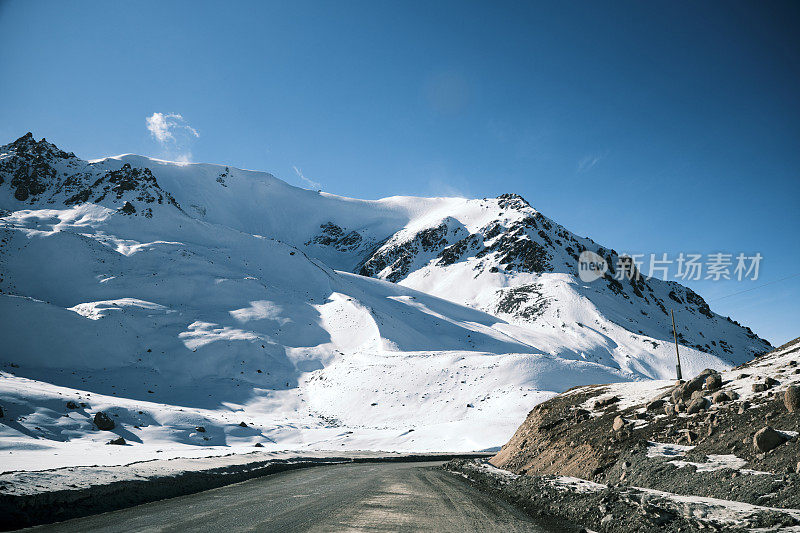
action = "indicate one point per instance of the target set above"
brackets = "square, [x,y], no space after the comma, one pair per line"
[180,295]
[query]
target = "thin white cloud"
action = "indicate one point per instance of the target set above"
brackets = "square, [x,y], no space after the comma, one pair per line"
[590,161]
[311,183]
[173,133]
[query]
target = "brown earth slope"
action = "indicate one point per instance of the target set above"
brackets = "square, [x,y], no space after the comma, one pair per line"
[703,437]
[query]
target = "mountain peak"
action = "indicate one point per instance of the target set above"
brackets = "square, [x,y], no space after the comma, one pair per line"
[27,144]
[512,201]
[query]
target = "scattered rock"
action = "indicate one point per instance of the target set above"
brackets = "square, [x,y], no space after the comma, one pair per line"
[691,436]
[720,397]
[684,391]
[655,405]
[677,395]
[200,429]
[792,399]
[767,439]
[72,405]
[713,382]
[103,421]
[581,414]
[119,441]
[696,405]
[599,404]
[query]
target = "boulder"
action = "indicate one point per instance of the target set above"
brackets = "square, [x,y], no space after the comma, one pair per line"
[676,395]
[696,395]
[759,387]
[655,405]
[669,409]
[696,405]
[72,405]
[242,424]
[258,445]
[200,429]
[720,397]
[103,421]
[767,439]
[599,404]
[792,399]
[684,392]
[713,382]
[1,412]
[619,423]
[119,441]
[581,414]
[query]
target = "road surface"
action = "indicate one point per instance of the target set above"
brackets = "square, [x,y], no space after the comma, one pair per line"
[347,497]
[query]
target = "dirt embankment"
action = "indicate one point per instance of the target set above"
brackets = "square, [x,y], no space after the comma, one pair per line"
[731,436]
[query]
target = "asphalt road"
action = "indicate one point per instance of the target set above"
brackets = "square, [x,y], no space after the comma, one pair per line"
[347,497]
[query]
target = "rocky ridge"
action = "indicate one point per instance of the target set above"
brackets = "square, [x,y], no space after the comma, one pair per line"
[38,172]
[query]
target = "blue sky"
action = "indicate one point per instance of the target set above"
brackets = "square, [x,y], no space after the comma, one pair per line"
[651,127]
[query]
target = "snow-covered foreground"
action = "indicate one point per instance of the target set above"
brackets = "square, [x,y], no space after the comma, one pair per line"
[418,402]
[173,297]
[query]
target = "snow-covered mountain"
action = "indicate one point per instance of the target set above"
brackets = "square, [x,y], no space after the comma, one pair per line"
[182,295]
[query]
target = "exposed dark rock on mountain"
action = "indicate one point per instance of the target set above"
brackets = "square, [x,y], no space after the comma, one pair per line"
[333,235]
[103,421]
[41,172]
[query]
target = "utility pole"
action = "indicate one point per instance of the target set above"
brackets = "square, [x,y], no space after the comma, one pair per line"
[677,353]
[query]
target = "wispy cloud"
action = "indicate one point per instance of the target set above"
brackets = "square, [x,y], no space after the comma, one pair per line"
[311,183]
[173,133]
[590,161]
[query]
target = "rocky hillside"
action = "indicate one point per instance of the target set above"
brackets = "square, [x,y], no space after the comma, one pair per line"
[729,435]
